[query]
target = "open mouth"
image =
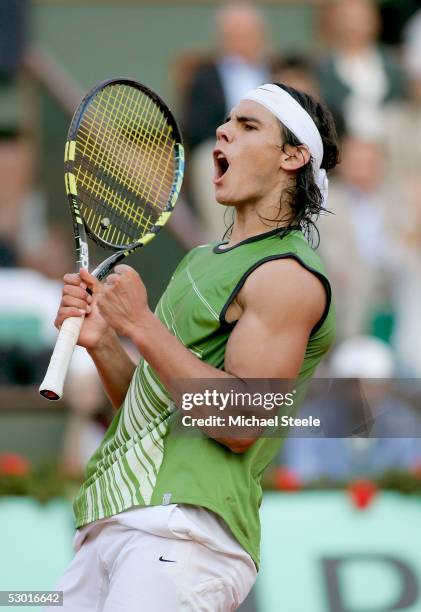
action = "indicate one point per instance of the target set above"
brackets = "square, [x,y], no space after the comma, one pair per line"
[221,164]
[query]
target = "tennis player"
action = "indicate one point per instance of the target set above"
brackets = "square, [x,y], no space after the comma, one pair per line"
[169,522]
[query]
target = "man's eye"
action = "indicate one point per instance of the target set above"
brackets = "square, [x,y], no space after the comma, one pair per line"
[249,127]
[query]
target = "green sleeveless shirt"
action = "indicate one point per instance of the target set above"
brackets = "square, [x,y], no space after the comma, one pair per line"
[140,462]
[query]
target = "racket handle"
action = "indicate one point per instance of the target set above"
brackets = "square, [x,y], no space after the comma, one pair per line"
[52,385]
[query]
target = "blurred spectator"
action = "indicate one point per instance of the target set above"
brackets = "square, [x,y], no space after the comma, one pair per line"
[216,87]
[402,139]
[16,176]
[354,241]
[13,34]
[371,403]
[358,75]
[402,119]
[406,338]
[296,71]
[16,151]
[13,39]
[238,66]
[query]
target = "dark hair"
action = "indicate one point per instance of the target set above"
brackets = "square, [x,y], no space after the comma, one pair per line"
[304,197]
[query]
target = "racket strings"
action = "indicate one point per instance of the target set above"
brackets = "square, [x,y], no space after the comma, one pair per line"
[124,168]
[125,164]
[148,137]
[105,204]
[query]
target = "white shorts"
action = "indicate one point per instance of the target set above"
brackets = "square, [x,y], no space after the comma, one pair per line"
[157,559]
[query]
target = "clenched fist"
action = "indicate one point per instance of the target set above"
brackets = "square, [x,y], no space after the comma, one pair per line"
[123,301]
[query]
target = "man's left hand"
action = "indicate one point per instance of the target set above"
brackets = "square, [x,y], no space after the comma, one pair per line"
[123,302]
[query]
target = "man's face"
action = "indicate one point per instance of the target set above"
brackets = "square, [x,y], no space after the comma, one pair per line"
[247,156]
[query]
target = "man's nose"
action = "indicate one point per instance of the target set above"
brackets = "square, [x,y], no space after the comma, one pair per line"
[223,133]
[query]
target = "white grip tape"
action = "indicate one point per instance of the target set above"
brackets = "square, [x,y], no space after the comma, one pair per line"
[61,357]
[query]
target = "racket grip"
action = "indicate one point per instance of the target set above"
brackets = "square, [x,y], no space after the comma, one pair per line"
[52,386]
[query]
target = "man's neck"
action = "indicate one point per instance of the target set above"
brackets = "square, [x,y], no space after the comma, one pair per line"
[249,226]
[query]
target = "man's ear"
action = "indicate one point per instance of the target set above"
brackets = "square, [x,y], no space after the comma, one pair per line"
[292,158]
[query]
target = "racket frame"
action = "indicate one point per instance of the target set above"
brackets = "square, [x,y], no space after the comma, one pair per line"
[52,385]
[81,229]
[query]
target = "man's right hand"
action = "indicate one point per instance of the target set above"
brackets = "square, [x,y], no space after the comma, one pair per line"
[76,301]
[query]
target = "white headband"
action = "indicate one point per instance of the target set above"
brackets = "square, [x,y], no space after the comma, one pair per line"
[293,116]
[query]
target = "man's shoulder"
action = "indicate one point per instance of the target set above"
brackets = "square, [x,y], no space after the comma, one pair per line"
[285,276]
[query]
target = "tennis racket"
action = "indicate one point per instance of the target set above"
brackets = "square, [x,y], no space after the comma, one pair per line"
[123,169]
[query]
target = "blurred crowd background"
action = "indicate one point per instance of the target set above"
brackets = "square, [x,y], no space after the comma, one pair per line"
[361,57]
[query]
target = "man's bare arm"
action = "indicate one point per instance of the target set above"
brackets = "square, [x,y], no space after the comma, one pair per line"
[281,302]
[114,366]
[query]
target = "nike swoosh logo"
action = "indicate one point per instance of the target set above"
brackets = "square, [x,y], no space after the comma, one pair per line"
[161,558]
